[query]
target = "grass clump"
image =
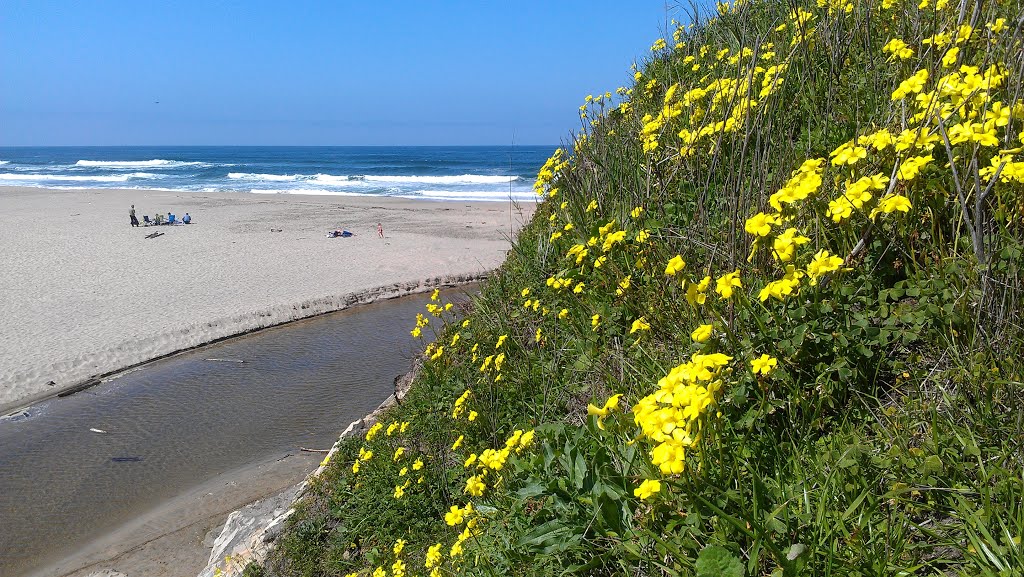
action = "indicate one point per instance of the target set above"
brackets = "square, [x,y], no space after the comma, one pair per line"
[764,322]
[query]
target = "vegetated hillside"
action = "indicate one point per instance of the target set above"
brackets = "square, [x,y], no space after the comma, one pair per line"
[766,321]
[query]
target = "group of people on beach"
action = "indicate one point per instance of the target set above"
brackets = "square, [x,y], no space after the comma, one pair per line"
[158,219]
[346,234]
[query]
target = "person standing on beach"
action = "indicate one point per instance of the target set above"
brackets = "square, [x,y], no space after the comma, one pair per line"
[131,215]
[380,230]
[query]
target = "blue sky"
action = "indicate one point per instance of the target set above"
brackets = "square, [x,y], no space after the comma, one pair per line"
[305,73]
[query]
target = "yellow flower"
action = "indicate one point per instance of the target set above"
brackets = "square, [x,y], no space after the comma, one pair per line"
[399,545]
[848,154]
[398,453]
[610,405]
[726,284]
[355,467]
[563,313]
[785,244]
[702,333]
[456,515]
[784,287]
[675,264]
[647,489]
[372,432]
[469,461]
[416,332]
[525,292]
[536,337]
[458,442]
[623,285]
[434,295]
[821,264]
[501,341]
[417,465]
[399,491]
[640,324]
[949,60]
[912,85]
[595,321]
[525,441]
[764,364]
[898,49]
[637,211]
[391,429]
[475,486]
[472,415]
[760,224]
[912,166]
[433,556]
[892,203]
[578,288]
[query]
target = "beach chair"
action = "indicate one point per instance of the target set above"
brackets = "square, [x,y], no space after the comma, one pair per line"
[145,219]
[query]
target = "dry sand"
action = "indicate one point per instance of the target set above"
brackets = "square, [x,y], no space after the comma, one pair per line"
[82,293]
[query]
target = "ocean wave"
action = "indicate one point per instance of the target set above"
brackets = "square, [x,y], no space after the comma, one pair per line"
[2,162]
[331,180]
[65,177]
[257,176]
[362,180]
[460,179]
[448,195]
[483,195]
[308,191]
[155,163]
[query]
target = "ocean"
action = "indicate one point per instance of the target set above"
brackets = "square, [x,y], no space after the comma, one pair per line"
[482,173]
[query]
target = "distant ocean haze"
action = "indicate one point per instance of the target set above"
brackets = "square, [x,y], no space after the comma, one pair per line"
[479,173]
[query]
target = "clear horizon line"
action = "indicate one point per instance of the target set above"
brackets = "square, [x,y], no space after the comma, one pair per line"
[272,145]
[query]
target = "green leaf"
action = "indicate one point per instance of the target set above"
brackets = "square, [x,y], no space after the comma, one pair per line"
[715,561]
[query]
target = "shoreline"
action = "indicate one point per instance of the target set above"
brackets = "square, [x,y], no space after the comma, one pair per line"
[378,294]
[89,297]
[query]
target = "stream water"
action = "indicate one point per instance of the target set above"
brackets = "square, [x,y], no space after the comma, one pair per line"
[177,422]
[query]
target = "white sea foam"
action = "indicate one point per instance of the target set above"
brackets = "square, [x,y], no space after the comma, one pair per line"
[309,191]
[155,163]
[460,179]
[2,162]
[346,180]
[65,177]
[484,195]
[257,176]
[331,180]
[448,195]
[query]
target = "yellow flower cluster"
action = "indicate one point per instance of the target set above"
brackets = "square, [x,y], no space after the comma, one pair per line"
[554,165]
[671,416]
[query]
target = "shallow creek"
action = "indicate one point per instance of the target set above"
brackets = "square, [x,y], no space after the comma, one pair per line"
[73,469]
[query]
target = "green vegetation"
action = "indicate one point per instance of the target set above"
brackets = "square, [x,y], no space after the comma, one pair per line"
[765,322]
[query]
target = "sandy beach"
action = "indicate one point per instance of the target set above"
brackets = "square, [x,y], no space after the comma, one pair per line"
[83,293]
